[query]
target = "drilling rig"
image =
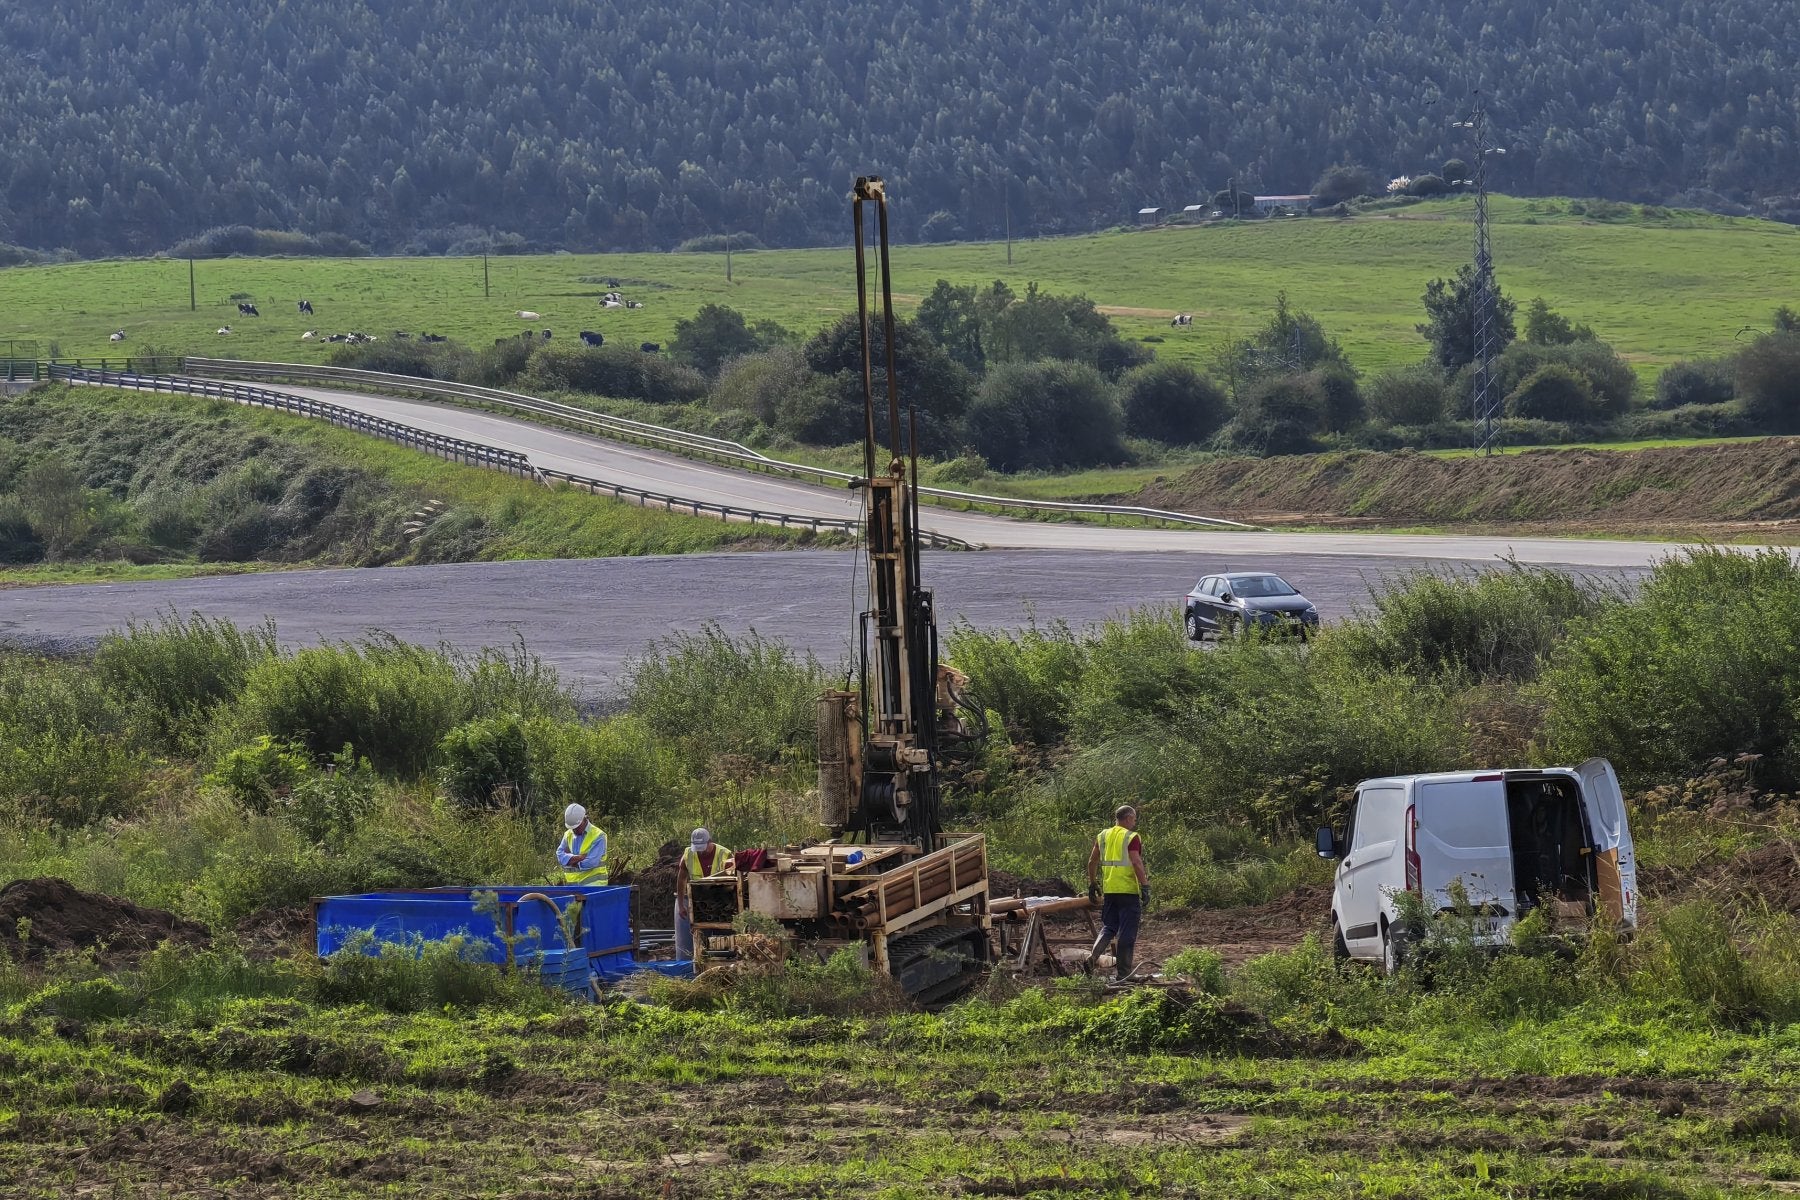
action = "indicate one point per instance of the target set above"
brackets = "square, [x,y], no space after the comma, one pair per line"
[888,877]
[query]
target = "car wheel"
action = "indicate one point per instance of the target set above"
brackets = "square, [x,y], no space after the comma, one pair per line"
[1340,951]
[1194,632]
[1396,950]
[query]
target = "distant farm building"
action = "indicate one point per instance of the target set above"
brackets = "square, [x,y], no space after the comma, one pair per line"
[1268,204]
[1147,216]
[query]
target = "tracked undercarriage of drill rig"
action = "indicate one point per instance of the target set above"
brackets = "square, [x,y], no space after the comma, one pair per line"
[888,877]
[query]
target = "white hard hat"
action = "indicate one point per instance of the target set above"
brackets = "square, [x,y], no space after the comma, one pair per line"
[574,815]
[701,839]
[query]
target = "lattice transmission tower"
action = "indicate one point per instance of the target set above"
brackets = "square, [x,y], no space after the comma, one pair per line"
[1484,301]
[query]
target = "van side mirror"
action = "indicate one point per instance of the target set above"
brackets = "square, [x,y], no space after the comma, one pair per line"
[1328,844]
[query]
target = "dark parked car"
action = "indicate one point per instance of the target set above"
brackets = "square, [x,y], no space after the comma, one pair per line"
[1224,604]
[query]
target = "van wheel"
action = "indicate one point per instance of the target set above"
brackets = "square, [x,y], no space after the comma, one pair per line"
[1340,952]
[1396,950]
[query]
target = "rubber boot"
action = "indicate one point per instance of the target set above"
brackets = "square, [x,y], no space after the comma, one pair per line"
[1100,945]
[1124,965]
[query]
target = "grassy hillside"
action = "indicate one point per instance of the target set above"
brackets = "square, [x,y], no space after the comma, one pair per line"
[1660,289]
[154,486]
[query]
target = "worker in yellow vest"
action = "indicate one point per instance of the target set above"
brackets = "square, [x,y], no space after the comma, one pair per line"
[1117,878]
[703,859]
[582,851]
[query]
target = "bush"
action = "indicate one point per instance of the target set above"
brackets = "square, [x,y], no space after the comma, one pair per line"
[1487,625]
[180,669]
[1027,676]
[19,540]
[392,701]
[1280,415]
[225,240]
[1408,396]
[744,696]
[617,768]
[424,976]
[1697,667]
[1427,185]
[1768,381]
[715,243]
[758,383]
[326,805]
[1553,392]
[257,775]
[1697,381]
[482,757]
[69,746]
[1172,403]
[621,372]
[1046,415]
[717,334]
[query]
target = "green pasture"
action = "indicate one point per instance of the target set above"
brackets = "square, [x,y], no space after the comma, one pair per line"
[1659,288]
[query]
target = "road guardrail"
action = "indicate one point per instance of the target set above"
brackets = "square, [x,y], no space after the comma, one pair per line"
[689,445]
[461,450]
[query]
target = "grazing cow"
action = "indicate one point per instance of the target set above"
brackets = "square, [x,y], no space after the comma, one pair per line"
[224,329]
[634,304]
[306,307]
[592,338]
[434,337]
[526,315]
[309,335]
[611,303]
[1182,319]
[401,334]
[546,335]
[612,283]
[117,337]
[651,348]
[338,337]
[247,310]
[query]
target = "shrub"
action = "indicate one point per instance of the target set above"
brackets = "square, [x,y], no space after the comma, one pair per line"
[618,767]
[424,976]
[1697,381]
[487,763]
[1553,392]
[757,383]
[1609,377]
[1280,415]
[259,774]
[1027,676]
[717,334]
[1172,403]
[1046,415]
[1696,667]
[715,243]
[622,372]
[326,805]
[69,747]
[182,668]
[1427,185]
[392,701]
[1408,396]
[20,542]
[1768,380]
[723,695]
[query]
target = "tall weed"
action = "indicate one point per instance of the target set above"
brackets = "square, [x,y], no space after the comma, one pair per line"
[745,697]
[181,668]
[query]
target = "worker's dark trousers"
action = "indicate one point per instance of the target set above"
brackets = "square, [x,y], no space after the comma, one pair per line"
[1119,914]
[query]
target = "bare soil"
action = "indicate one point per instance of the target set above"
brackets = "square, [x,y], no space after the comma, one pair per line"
[43,917]
[1728,488]
[1238,934]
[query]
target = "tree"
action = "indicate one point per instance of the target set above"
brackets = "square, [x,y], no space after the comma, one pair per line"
[1292,341]
[1768,381]
[54,500]
[1172,403]
[1409,396]
[1341,183]
[1786,320]
[1696,381]
[1045,416]
[1042,325]
[1427,185]
[1235,203]
[1450,328]
[716,334]
[1456,171]
[1282,414]
[951,317]
[1545,327]
[929,381]
[1553,392]
[756,383]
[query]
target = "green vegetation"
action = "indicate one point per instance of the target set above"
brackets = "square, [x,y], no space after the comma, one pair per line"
[180,766]
[95,483]
[465,127]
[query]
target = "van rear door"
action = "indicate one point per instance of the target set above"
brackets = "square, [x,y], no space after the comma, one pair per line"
[1615,859]
[1462,834]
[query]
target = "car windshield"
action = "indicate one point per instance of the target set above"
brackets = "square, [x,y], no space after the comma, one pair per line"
[1261,585]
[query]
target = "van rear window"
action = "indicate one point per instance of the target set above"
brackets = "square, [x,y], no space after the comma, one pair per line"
[1465,815]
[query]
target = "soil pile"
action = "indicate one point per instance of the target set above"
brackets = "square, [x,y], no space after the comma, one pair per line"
[278,932]
[653,897]
[61,917]
[1767,876]
[1712,484]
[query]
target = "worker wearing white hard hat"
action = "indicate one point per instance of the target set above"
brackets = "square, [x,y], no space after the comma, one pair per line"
[582,851]
[703,859]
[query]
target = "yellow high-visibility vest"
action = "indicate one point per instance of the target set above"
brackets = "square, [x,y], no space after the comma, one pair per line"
[721,857]
[597,875]
[1117,876]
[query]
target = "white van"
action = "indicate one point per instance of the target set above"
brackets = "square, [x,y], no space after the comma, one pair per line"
[1516,840]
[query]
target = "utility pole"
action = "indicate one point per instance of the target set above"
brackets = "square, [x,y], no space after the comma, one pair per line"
[728,258]
[1006,189]
[484,275]
[192,305]
[1486,318]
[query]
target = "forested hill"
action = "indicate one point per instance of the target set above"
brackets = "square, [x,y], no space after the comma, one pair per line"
[421,124]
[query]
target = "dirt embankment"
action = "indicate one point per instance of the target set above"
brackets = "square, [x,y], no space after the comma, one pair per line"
[43,917]
[1722,486]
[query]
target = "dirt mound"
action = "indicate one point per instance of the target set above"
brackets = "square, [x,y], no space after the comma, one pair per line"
[1767,876]
[1004,883]
[62,917]
[653,900]
[278,932]
[1755,481]
[1239,934]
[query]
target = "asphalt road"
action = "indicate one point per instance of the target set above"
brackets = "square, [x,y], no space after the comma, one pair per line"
[590,617]
[616,462]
